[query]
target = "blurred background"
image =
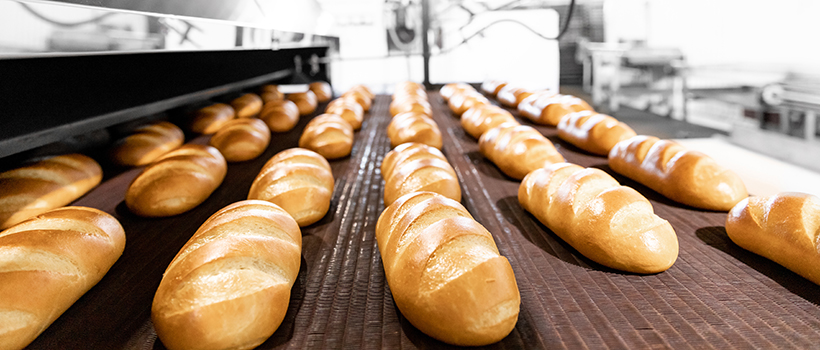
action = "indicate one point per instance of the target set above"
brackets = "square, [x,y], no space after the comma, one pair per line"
[744,72]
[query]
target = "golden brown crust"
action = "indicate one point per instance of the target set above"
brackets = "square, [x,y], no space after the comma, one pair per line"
[298,180]
[413,167]
[48,262]
[445,272]
[270,93]
[518,149]
[783,228]
[361,97]
[247,106]
[553,108]
[532,105]
[688,177]
[492,87]
[348,109]
[414,127]
[147,143]
[280,115]
[229,286]
[511,96]
[305,101]
[242,139]
[461,102]
[611,224]
[177,182]
[45,185]
[593,132]
[449,90]
[322,90]
[410,103]
[329,135]
[209,119]
[477,120]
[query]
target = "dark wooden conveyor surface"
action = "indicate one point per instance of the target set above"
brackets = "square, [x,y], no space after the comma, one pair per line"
[715,296]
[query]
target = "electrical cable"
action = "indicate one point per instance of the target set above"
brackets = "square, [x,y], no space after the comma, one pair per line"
[64,24]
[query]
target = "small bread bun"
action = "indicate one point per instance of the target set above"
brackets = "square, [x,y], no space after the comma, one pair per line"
[306,101]
[280,115]
[361,97]
[414,127]
[410,103]
[492,87]
[247,106]
[449,90]
[329,135]
[348,109]
[242,139]
[322,90]
[209,119]
[271,93]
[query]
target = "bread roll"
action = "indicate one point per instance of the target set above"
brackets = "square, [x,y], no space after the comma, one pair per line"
[477,120]
[593,132]
[782,228]
[460,103]
[247,106]
[229,286]
[688,177]
[611,224]
[305,101]
[449,90]
[322,91]
[329,135]
[532,105]
[518,149]
[177,182]
[492,87]
[349,110]
[45,185]
[445,272]
[280,116]
[556,107]
[413,167]
[208,120]
[298,180]
[414,104]
[270,93]
[414,127]
[361,97]
[242,139]
[147,143]
[410,88]
[363,90]
[511,95]
[47,263]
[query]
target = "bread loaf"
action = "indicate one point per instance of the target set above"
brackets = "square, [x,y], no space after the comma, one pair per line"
[492,87]
[445,272]
[449,90]
[511,95]
[47,263]
[147,143]
[410,88]
[270,93]
[329,135]
[415,104]
[361,97]
[414,127]
[688,177]
[363,90]
[45,185]
[532,106]
[177,182]
[593,132]
[299,181]
[229,286]
[305,101]
[280,115]
[556,107]
[322,91]
[460,103]
[209,119]
[518,149]
[783,228]
[477,120]
[413,167]
[611,224]
[247,106]
[242,139]
[348,109]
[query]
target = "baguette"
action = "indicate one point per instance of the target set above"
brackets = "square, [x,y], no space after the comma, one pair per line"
[329,135]
[449,90]
[556,107]
[511,96]
[532,106]
[445,272]
[47,263]
[247,106]
[229,286]
[783,228]
[298,180]
[414,167]
[280,116]
[492,87]
[177,182]
[518,149]
[593,132]
[270,93]
[242,139]
[322,90]
[209,119]
[45,185]
[348,109]
[147,143]
[414,127]
[611,224]
[684,176]
[477,120]
[305,101]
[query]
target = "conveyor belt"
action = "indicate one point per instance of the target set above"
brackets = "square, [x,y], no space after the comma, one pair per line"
[715,296]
